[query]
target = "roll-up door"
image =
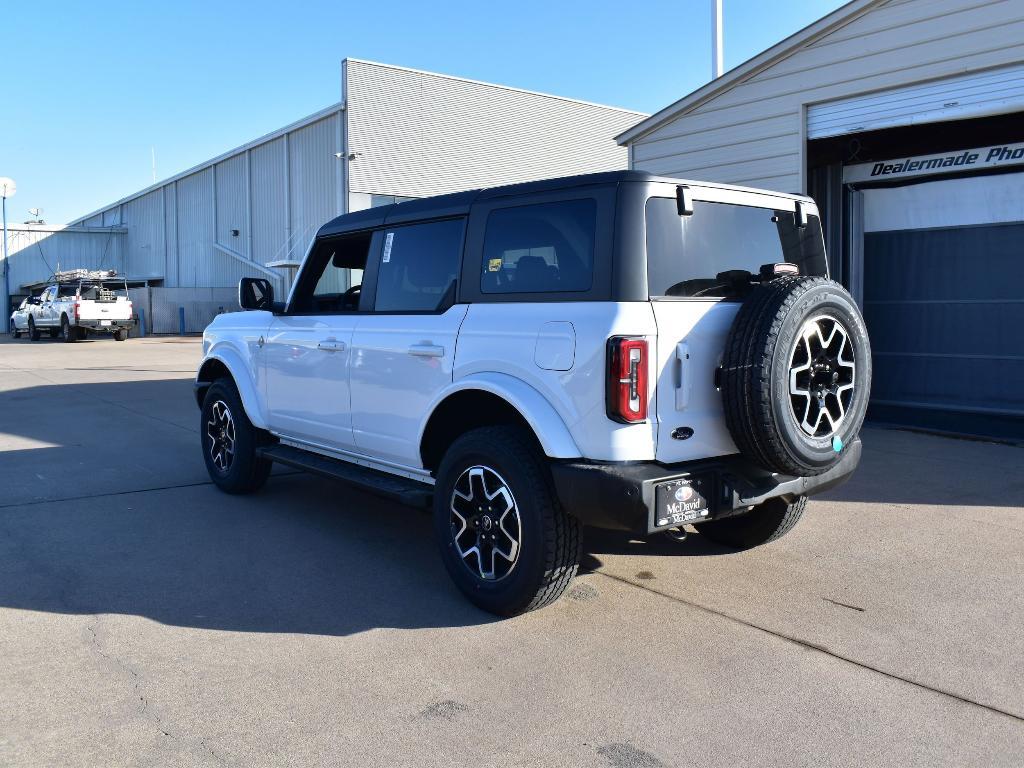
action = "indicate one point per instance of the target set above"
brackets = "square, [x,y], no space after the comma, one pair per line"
[978,94]
[944,303]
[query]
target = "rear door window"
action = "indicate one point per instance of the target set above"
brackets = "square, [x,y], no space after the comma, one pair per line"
[540,248]
[706,254]
[419,264]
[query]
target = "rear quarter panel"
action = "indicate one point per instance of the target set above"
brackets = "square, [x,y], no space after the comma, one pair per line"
[513,338]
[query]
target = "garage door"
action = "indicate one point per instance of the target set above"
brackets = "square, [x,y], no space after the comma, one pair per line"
[944,303]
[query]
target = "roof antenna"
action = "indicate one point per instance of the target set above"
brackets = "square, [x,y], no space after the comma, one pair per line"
[716,39]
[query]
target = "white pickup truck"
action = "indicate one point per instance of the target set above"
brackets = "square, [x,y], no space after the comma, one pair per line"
[76,305]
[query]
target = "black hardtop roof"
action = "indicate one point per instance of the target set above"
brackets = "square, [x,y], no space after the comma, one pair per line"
[459,203]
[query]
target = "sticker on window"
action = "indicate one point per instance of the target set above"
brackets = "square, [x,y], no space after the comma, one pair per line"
[494,265]
[387,247]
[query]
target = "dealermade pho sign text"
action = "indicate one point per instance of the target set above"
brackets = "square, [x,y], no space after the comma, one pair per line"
[946,162]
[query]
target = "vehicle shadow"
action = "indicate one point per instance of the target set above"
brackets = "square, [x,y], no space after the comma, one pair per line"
[106,508]
[598,542]
[303,556]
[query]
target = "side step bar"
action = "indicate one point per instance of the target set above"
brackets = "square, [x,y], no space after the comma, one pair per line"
[392,487]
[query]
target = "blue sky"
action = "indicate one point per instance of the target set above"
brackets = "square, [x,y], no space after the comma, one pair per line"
[91,86]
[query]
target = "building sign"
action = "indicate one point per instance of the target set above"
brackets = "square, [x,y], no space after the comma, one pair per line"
[928,165]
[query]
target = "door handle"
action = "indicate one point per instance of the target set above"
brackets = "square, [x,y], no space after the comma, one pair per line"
[426,350]
[330,345]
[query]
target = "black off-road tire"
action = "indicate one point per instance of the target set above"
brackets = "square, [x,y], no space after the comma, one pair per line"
[247,471]
[550,538]
[120,334]
[766,522]
[33,331]
[68,332]
[756,367]
[15,333]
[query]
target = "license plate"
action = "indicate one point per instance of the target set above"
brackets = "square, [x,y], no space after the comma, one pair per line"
[678,502]
[104,322]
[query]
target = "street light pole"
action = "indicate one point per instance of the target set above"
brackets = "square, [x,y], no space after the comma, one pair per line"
[7,287]
[7,189]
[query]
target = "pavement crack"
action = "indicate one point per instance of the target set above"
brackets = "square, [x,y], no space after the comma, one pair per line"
[815,647]
[105,494]
[844,605]
[138,694]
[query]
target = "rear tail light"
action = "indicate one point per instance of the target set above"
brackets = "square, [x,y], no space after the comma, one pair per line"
[76,311]
[627,380]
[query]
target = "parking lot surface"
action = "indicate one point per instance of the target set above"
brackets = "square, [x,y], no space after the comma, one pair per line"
[148,619]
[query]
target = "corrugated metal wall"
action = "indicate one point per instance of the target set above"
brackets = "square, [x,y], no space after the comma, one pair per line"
[35,252]
[195,230]
[270,209]
[143,217]
[313,188]
[232,213]
[421,134]
[275,192]
[201,305]
[751,132]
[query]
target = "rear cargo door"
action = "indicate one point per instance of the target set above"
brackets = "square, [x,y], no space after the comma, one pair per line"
[699,267]
[691,336]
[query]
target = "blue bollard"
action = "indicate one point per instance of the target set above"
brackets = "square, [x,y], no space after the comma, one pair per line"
[142,322]
[181,321]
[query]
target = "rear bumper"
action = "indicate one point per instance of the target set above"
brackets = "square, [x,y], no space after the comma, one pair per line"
[96,325]
[622,496]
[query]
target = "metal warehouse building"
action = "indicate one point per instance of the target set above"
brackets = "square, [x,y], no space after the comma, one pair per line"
[396,133]
[904,119]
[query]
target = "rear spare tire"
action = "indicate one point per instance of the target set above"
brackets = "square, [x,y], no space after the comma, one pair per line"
[796,375]
[764,523]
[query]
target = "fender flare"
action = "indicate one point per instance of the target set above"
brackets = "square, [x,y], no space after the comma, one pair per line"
[549,427]
[232,360]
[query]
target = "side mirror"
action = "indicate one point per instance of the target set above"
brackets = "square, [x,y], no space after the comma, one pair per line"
[255,293]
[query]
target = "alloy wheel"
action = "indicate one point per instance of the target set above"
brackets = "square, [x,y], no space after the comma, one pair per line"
[821,376]
[485,523]
[220,429]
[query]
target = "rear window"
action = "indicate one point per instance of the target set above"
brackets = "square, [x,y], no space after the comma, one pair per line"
[700,256]
[542,248]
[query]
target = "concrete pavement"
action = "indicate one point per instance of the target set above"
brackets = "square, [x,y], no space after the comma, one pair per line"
[147,619]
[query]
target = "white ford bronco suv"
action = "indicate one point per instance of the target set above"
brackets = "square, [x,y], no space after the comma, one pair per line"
[618,350]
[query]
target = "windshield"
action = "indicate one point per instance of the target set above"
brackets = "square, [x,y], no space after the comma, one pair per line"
[707,254]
